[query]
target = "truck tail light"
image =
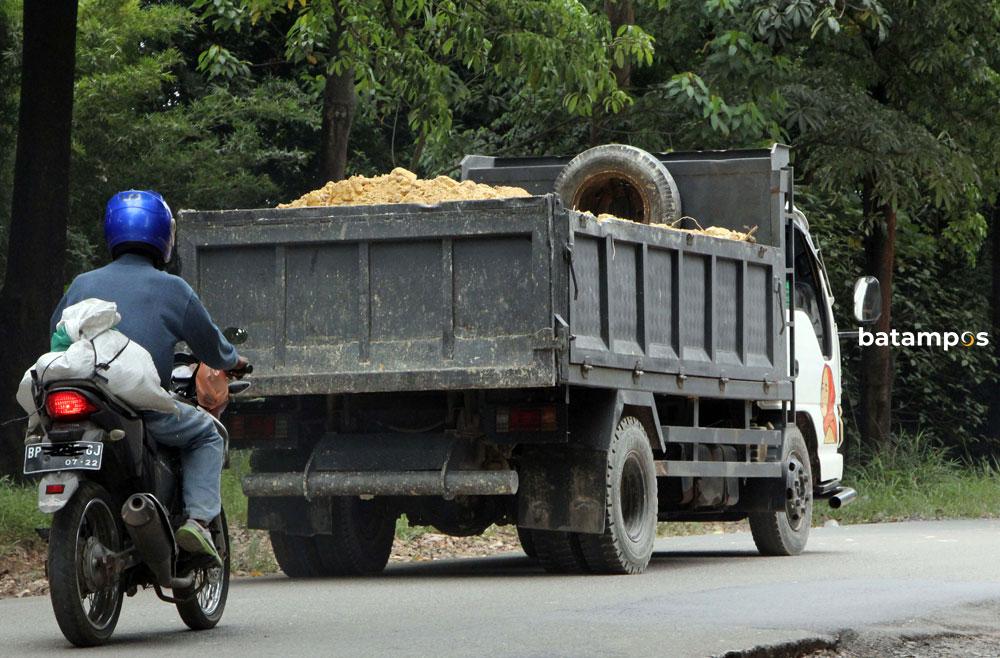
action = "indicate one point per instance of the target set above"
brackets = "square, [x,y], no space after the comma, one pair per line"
[251,427]
[67,406]
[527,419]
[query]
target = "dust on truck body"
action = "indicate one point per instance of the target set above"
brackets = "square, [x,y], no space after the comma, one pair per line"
[517,362]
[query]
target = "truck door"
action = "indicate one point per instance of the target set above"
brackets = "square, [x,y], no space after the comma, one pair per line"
[817,386]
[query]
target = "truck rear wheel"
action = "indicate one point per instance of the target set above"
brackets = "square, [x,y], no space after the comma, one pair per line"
[630,513]
[621,180]
[559,552]
[363,532]
[296,555]
[786,532]
[527,539]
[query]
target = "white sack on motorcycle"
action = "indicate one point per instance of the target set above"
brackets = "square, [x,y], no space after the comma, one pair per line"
[122,367]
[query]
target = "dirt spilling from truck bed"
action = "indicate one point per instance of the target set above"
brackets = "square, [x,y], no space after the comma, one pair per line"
[403,186]
[711,231]
[400,186]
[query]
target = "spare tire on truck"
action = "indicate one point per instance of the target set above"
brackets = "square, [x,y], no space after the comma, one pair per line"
[620,180]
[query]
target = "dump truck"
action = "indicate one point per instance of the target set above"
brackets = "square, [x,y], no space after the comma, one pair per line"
[581,363]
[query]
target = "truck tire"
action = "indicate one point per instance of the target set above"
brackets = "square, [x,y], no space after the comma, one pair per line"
[363,532]
[626,545]
[296,555]
[621,180]
[527,539]
[559,552]
[786,532]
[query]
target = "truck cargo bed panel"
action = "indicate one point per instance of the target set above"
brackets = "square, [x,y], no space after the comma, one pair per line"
[382,298]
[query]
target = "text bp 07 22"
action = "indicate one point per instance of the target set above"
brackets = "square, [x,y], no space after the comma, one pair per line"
[49,457]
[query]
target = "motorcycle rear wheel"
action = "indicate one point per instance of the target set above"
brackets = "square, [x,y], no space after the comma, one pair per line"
[86,597]
[204,610]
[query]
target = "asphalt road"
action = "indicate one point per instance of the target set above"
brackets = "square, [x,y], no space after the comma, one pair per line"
[701,596]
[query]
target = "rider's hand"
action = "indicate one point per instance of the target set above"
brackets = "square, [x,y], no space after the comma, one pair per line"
[240,368]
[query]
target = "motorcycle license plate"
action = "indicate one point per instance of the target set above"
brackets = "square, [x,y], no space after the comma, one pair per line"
[75,456]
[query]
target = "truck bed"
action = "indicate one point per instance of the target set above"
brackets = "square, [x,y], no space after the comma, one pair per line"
[382,298]
[513,293]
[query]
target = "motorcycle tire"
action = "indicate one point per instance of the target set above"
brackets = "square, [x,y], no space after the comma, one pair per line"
[206,600]
[86,606]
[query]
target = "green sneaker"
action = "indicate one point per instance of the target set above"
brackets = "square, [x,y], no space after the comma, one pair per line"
[193,537]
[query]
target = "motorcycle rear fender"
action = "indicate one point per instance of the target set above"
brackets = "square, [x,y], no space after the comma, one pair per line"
[52,503]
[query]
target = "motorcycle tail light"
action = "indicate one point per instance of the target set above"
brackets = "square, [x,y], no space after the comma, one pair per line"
[68,406]
[55,488]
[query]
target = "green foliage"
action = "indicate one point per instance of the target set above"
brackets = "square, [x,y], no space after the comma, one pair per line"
[19,515]
[140,123]
[233,500]
[428,57]
[914,478]
[216,104]
[10,61]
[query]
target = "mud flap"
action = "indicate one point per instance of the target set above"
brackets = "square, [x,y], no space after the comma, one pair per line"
[295,516]
[52,503]
[562,488]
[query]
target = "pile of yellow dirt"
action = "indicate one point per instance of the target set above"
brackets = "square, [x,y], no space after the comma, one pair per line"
[400,186]
[711,231]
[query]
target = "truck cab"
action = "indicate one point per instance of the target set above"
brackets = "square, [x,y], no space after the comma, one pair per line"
[817,356]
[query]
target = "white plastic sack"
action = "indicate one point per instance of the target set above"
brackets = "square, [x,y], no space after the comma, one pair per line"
[126,366]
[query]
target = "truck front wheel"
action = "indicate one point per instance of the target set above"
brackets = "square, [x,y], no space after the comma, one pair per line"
[785,532]
[630,512]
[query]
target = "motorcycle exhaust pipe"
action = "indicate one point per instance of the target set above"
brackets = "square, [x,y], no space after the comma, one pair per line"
[152,540]
[842,497]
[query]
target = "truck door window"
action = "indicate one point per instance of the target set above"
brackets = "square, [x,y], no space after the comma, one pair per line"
[810,294]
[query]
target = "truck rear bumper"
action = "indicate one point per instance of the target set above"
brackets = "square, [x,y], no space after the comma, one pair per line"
[382,483]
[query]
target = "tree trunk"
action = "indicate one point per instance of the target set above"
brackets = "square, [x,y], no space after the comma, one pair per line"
[619,13]
[877,362]
[33,282]
[993,419]
[338,112]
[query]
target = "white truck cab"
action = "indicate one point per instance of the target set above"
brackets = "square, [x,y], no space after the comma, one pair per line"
[819,413]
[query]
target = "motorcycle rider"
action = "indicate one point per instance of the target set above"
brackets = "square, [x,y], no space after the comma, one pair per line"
[158,310]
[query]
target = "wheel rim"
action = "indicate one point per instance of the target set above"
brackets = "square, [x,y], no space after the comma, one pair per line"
[96,585]
[798,494]
[209,583]
[632,494]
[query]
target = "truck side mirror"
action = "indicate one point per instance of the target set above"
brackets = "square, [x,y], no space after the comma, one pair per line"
[235,335]
[867,300]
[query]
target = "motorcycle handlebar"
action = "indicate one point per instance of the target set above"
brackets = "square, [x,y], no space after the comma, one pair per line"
[245,370]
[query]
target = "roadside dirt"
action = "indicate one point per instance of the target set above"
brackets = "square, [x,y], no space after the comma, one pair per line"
[947,646]
[400,186]
[22,567]
[22,570]
[967,630]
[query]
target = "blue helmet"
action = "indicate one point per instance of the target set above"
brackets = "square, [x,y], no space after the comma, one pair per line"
[142,219]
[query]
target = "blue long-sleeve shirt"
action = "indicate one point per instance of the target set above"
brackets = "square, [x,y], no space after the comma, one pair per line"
[158,310]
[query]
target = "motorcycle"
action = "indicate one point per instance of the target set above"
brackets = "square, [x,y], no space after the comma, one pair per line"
[115,496]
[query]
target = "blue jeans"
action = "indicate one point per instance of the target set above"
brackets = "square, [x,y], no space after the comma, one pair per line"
[202,455]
